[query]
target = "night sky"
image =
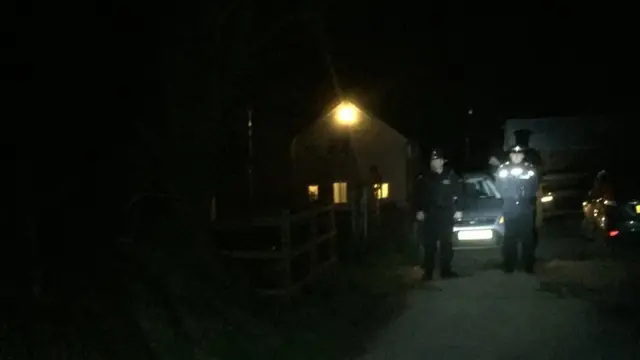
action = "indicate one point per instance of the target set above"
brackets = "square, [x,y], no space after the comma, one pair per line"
[547,62]
[411,65]
[133,85]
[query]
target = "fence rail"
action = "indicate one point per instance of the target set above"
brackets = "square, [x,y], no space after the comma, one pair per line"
[288,251]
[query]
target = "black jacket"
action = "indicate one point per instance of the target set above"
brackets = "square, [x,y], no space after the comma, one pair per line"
[438,192]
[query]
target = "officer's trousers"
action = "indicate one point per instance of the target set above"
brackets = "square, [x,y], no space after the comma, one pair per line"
[535,227]
[437,227]
[519,228]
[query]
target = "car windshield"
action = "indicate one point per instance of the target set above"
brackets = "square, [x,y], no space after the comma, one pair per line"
[476,189]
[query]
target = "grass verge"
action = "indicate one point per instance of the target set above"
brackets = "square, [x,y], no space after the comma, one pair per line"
[159,302]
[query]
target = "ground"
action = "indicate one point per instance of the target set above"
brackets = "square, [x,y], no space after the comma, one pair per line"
[161,299]
[578,305]
[173,303]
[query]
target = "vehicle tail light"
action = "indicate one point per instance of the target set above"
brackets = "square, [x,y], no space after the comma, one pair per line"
[613,233]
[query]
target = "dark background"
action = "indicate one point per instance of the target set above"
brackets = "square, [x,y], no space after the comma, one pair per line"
[416,67]
[109,101]
[125,98]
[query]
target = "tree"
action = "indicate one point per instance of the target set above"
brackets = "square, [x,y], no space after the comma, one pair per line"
[224,58]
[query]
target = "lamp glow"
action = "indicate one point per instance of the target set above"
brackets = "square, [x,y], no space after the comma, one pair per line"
[346,114]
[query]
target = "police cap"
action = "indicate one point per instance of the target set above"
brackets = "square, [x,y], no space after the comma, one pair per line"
[516,149]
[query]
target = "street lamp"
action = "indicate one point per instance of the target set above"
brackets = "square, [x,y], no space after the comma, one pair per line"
[346,113]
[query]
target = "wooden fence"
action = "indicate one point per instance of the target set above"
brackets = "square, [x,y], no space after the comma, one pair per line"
[291,247]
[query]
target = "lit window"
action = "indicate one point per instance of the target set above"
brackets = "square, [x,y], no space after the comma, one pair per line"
[381,191]
[340,193]
[313,191]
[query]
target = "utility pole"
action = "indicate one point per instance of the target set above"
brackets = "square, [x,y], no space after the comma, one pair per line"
[467,143]
[250,154]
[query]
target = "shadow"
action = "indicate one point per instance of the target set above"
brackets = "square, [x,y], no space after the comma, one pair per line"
[158,299]
[581,255]
[567,290]
[491,264]
[617,302]
[88,316]
[155,290]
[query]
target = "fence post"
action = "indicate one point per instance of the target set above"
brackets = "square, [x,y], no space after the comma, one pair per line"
[354,213]
[364,208]
[313,252]
[333,251]
[286,249]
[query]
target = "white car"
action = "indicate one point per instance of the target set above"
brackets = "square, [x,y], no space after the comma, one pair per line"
[482,223]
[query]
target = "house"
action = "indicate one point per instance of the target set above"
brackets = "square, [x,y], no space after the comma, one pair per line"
[349,151]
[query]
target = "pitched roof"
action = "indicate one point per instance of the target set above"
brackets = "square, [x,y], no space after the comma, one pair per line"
[331,106]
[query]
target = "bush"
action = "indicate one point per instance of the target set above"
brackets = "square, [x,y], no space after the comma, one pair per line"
[172,299]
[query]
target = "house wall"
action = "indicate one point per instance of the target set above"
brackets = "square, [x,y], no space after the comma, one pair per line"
[327,153]
[378,144]
[322,156]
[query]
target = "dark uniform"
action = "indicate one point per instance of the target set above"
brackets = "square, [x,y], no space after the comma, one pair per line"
[436,196]
[518,183]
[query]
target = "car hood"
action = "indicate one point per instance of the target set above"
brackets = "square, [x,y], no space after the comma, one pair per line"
[482,208]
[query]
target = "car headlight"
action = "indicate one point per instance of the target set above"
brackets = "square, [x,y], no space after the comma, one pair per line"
[501,220]
[547,198]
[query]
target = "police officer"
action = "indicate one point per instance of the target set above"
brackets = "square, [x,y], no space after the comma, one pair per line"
[435,206]
[517,182]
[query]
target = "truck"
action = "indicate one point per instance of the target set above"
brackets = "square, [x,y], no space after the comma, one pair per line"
[566,151]
[564,144]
